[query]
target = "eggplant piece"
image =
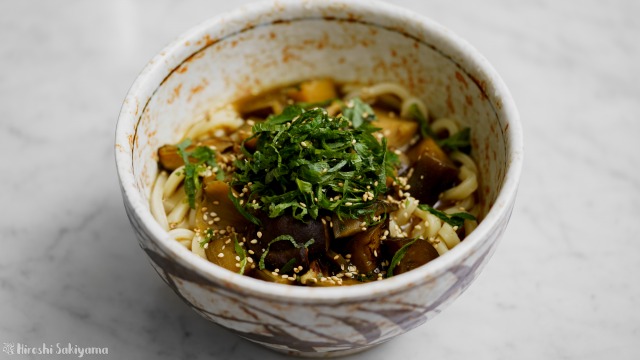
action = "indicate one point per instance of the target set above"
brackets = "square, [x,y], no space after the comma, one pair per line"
[314,91]
[343,228]
[398,131]
[433,171]
[281,252]
[216,200]
[170,159]
[418,253]
[365,249]
[336,261]
[224,245]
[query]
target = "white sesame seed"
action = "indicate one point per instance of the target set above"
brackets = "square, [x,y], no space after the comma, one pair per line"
[220,255]
[251,252]
[259,233]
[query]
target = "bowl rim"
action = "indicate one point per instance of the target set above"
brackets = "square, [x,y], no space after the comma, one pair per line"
[159,68]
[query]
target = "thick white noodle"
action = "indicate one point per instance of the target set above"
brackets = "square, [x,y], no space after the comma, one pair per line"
[449,235]
[182,234]
[196,248]
[175,179]
[155,203]
[226,116]
[434,226]
[177,197]
[403,215]
[394,229]
[440,246]
[405,108]
[445,124]
[177,215]
[192,219]
[469,226]
[468,185]
[382,89]
[465,204]
[465,160]
[184,224]
[376,90]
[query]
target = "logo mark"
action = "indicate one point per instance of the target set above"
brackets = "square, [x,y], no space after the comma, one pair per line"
[9,348]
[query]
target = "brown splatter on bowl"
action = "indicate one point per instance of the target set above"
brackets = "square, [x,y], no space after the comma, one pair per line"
[268,44]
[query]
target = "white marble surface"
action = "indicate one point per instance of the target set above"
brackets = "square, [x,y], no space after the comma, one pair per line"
[564,282]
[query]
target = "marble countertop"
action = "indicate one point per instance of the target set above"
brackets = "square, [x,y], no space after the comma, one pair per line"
[563,283]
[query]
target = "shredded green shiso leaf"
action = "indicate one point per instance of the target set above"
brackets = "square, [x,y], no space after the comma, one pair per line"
[456,219]
[307,163]
[195,163]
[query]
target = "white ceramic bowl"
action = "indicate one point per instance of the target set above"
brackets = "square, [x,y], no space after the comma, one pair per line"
[268,44]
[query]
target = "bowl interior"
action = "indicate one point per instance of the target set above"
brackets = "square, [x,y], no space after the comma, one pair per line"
[254,50]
